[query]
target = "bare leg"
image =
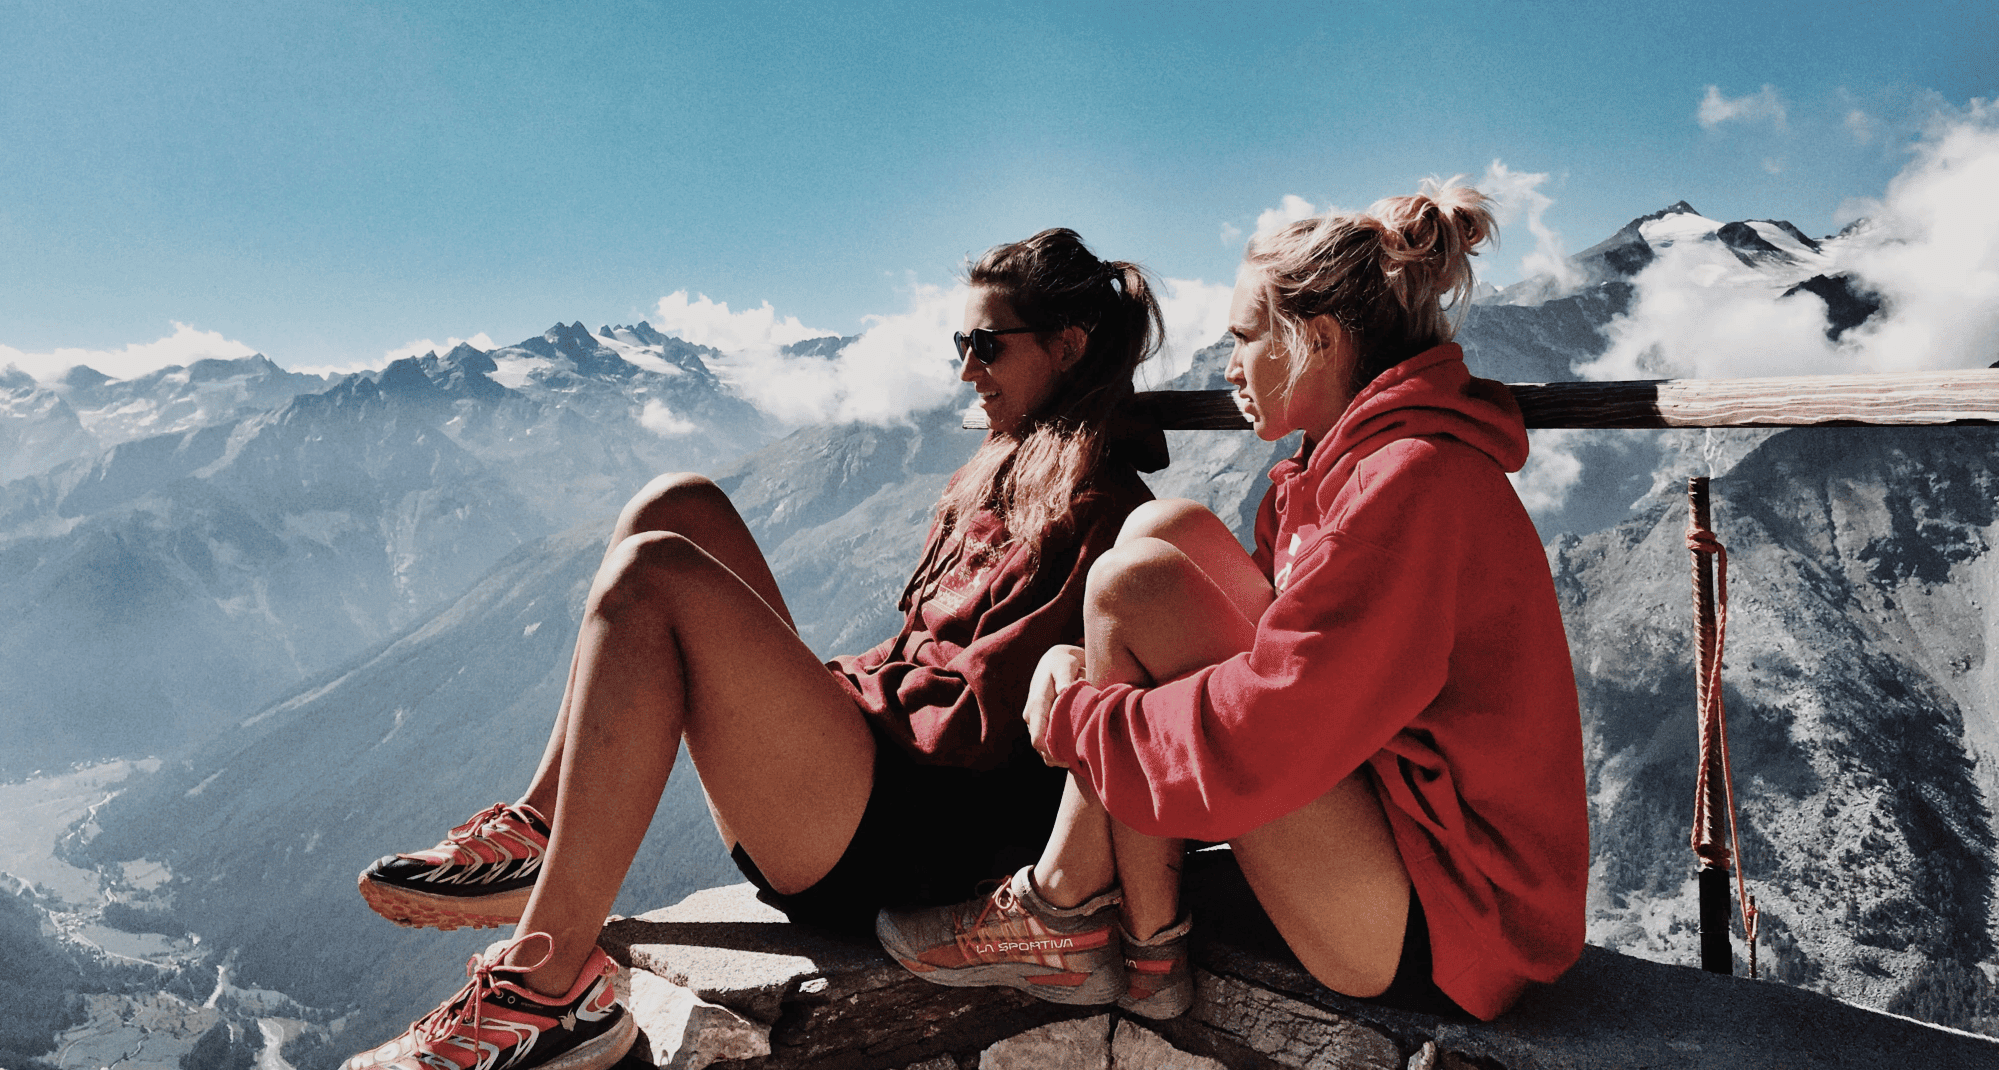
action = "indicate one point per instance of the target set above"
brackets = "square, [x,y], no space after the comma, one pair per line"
[1077,862]
[675,644]
[1332,881]
[1178,593]
[688,505]
[1328,874]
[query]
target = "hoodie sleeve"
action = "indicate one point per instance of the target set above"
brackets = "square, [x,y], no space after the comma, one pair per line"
[1356,646]
[955,697]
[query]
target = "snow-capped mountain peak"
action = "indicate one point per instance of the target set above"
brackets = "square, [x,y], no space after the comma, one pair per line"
[643,345]
[1766,252]
[1676,224]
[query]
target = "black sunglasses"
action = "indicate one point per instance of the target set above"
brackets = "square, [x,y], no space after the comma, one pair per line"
[983,343]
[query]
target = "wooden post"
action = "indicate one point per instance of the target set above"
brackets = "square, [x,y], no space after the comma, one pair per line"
[1710,836]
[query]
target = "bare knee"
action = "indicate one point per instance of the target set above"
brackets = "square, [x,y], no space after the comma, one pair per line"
[682,502]
[1165,518]
[642,572]
[1131,577]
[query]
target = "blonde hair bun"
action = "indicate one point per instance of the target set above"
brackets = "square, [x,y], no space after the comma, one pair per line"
[1385,275]
[1429,238]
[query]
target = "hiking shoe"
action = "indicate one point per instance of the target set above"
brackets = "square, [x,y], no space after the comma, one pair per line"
[480,876]
[1159,979]
[1015,938]
[496,1020]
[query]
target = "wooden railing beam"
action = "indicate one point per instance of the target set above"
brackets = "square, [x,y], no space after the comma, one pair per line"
[1916,399]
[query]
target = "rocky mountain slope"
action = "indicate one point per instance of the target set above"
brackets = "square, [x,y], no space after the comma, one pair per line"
[265,833]
[43,425]
[174,581]
[1860,710]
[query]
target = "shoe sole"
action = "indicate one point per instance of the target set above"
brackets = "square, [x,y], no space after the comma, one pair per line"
[1170,1000]
[1160,1005]
[1077,987]
[427,910]
[599,1054]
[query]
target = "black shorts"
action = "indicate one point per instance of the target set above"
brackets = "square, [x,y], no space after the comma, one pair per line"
[1414,987]
[1226,908]
[930,835]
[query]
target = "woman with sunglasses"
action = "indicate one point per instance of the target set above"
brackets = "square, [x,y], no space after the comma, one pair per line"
[1376,709]
[896,777]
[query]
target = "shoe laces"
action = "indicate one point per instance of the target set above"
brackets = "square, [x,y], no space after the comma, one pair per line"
[477,824]
[467,1007]
[1003,899]
[473,829]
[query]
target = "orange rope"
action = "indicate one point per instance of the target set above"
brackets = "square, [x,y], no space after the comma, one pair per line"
[1714,732]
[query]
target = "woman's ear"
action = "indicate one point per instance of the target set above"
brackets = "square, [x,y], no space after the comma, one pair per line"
[1071,344]
[1330,341]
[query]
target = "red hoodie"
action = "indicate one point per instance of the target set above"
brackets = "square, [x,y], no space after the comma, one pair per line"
[1415,632]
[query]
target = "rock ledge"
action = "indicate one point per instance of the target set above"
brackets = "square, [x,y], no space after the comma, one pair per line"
[722,978]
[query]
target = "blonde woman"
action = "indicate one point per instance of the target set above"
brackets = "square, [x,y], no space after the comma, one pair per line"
[1375,709]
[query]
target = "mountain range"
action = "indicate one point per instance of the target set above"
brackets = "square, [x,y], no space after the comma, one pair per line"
[343,610]
[168,582]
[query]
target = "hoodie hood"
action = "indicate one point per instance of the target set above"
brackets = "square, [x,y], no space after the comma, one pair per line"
[1432,393]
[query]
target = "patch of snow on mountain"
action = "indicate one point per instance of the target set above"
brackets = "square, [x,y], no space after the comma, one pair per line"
[1676,227]
[515,370]
[622,342]
[1787,238]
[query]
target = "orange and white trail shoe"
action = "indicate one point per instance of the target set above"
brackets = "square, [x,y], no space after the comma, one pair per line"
[479,877]
[1014,938]
[1159,981]
[496,1022]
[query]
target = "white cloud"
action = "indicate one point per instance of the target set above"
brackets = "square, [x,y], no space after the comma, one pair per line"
[1197,314]
[338,369]
[185,346]
[706,322]
[1690,319]
[1932,251]
[1852,209]
[1290,210]
[661,421]
[899,365]
[1762,105]
[1231,234]
[1517,195]
[1860,125]
[424,345]
[1929,249]
[1552,469]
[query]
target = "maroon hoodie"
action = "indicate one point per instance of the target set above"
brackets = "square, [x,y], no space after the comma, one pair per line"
[949,687]
[1415,632]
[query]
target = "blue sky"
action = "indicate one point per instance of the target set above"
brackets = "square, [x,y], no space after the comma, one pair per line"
[328,183]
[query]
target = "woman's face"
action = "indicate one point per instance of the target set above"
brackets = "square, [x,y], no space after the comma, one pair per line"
[1260,368]
[1025,374]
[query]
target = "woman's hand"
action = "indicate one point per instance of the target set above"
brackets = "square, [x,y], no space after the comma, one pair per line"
[1060,667]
